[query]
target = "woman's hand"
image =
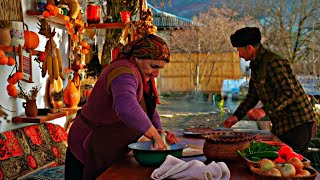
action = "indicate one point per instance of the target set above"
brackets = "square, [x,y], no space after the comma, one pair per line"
[157,144]
[154,136]
[170,138]
[230,121]
[256,114]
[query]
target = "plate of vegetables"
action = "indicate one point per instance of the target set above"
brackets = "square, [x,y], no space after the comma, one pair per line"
[260,150]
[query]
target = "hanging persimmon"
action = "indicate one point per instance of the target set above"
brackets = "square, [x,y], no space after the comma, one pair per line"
[3,60]
[75,38]
[11,61]
[69,25]
[18,75]
[1,53]
[85,51]
[13,92]
[12,80]
[85,45]
[71,31]
[11,87]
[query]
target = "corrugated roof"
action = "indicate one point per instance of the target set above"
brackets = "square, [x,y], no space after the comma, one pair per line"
[163,19]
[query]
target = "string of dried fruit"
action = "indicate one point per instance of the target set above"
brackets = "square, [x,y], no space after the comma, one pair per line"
[144,26]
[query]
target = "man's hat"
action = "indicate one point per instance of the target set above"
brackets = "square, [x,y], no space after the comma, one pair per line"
[245,36]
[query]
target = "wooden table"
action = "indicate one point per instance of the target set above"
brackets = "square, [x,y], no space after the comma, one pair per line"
[129,168]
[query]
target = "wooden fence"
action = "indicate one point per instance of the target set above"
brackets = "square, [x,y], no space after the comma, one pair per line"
[180,74]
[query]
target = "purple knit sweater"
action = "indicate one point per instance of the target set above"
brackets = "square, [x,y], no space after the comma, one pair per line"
[103,110]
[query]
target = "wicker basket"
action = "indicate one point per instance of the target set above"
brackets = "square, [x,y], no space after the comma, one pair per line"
[223,145]
[312,171]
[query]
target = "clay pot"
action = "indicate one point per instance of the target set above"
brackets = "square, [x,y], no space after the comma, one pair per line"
[5,37]
[31,109]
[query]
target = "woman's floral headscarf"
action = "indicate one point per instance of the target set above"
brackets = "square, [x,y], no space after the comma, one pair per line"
[147,47]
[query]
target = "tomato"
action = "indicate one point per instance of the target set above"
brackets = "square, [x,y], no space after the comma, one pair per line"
[280,160]
[294,154]
[284,150]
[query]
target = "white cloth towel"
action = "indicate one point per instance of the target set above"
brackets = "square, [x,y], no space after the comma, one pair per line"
[174,168]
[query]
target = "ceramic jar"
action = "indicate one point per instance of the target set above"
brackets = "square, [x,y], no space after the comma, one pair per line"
[17,33]
[31,109]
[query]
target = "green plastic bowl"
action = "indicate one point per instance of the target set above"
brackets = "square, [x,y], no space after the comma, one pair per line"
[147,157]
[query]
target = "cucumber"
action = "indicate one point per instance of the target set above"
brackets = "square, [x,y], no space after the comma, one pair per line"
[255,159]
[264,154]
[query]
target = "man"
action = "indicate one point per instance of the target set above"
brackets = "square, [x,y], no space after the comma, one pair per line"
[274,84]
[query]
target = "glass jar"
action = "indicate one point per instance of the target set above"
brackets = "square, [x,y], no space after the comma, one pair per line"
[93,13]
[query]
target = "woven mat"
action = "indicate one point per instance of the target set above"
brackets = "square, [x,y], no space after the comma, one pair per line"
[11,10]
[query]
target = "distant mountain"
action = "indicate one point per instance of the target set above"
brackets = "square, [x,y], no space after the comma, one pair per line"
[185,8]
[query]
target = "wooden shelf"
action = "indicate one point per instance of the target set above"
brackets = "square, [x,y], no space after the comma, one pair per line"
[71,110]
[38,119]
[58,19]
[115,25]
[44,118]
[10,49]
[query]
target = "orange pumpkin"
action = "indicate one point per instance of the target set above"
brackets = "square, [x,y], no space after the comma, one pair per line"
[31,40]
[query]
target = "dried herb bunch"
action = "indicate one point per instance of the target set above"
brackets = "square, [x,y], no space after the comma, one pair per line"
[5,24]
[31,95]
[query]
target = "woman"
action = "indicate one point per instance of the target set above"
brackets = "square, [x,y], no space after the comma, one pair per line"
[119,111]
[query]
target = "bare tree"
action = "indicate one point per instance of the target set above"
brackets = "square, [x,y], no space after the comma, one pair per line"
[290,27]
[209,35]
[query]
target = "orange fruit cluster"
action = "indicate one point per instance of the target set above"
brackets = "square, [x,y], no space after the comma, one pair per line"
[4,60]
[85,47]
[12,80]
[51,10]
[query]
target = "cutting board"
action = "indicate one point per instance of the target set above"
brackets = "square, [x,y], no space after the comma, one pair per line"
[192,150]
